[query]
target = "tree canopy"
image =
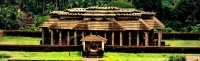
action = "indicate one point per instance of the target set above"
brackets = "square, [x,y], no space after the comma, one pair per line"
[177,15]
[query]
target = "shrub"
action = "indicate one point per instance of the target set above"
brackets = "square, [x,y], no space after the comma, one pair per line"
[177,58]
[168,29]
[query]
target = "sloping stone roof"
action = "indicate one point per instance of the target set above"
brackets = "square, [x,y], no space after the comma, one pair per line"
[94,38]
[93,18]
[155,23]
[104,26]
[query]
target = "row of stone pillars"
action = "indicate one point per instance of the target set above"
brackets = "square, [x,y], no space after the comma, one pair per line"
[52,39]
[112,37]
[129,39]
[68,37]
[137,38]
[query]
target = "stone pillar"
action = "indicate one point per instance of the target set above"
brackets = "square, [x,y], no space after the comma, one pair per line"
[83,34]
[43,35]
[75,38]
[60,37]
[104,34]
[102,45]
[112,38]
[68,38]
[52,38]
[129,38]
[90,32]
[120,38]
[83,43]
[146,39]
[152,34]
[159,37]
[138,39]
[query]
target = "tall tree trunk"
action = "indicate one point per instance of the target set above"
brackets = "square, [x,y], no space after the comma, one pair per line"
[56,5]
[43,6]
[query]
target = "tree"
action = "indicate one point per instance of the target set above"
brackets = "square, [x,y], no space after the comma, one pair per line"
[188,12]
[121,3]
[8,15]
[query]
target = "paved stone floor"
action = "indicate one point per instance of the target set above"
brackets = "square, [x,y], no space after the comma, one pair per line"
[91,59]
[192,58]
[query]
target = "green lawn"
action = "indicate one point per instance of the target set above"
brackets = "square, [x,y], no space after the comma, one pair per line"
[20,40]
[135,57]
[183,42]
[77,56]
[36,41]
[41,55]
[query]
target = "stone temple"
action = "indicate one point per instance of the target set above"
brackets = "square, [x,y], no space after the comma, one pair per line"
[111,25]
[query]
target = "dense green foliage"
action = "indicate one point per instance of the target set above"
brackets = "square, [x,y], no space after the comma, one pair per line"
[177,15]
[177,58]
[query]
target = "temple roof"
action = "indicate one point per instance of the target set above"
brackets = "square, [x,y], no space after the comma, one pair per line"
[106,25]
[93,38]
[155,23]
[103,19]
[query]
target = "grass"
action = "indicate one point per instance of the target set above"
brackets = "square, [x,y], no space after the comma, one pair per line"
[142,56]
[20,40]
[183,42]
[77,55]
[134,57]
[36,41]
[113,56]
[42,55]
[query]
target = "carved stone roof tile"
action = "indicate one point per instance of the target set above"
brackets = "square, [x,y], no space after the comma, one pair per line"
[94,38]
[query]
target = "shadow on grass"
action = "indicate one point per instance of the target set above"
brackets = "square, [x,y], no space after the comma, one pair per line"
[4,56]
